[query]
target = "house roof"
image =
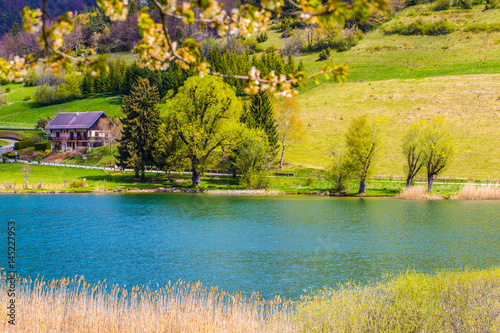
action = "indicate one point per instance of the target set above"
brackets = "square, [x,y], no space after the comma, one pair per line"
[74,120]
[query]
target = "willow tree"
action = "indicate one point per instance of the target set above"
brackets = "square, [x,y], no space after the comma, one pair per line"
[413,151]
[205,115]
[363,141]
[439,149]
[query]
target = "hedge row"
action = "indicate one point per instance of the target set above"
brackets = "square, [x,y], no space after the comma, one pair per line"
[11,135]
[23,144]
[42,146]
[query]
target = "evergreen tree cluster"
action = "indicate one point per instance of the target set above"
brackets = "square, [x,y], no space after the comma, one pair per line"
[223,61]
[122,77]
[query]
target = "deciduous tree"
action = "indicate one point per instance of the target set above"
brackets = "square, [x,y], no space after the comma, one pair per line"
[205,113]
[362,141]
[288,124]
[439,149]
[413,151]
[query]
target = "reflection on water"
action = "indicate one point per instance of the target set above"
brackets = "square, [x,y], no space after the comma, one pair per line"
[276,245]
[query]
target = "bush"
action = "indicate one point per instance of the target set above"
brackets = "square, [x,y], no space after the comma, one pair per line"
[78,183]
[23,144]
[440,5]
[286,26]
[483,27]
[325,54]
[262,37]
[65,92]
[42,146]
[464,4]
[7,90]
[419,27]
[27,98]
[35,139]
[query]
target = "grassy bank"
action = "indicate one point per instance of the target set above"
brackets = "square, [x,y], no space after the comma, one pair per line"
[467,301]
[44,177]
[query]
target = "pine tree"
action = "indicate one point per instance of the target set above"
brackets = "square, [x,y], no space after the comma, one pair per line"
[140,127]
[290,65]
[86,86]
[260,115]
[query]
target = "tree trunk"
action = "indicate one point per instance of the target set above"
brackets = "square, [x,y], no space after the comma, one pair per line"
[196,178]
[362,186]
[282,154]
[143,174]
[136,173]
[430,179]
[408,182]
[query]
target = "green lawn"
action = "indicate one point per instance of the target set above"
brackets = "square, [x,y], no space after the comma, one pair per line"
[3,143]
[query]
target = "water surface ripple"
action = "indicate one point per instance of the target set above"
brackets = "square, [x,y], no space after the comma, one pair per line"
[276,245]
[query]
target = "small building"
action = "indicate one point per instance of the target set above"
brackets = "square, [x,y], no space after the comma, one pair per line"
[71,130]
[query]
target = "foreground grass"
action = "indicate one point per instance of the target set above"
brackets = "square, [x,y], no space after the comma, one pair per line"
[467,301]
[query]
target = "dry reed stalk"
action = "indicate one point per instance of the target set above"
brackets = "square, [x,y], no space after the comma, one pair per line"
[417,193]
[244,192]
[478,192]
[75,306]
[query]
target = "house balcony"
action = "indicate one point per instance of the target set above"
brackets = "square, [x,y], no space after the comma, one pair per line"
[68,138]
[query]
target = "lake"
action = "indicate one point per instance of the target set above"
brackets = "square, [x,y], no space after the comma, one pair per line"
[285,245]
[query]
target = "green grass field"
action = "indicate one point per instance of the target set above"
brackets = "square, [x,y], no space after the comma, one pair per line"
[406,78]
[55,178]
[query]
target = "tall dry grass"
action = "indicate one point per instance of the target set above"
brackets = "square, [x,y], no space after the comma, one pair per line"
[417,193]
[473,192]
[76,306]
[466,301]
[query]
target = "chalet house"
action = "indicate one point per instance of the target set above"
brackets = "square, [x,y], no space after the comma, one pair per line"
[71,130]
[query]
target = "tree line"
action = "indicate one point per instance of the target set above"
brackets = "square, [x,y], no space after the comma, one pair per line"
[206,123]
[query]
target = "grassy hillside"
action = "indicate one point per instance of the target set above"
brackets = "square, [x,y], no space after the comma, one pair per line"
[406,78]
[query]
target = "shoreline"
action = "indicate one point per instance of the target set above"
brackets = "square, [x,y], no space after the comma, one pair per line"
[236,193]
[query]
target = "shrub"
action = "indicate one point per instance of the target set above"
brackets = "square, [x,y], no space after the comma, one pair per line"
[483,27]
[440,5]
[35,139]
[286,26]
[27,98]
[42,146]
[465,4]
[325,54]
[7,90]
[78,183]
[294,45]
[262,37]
[23,144]
[419,27]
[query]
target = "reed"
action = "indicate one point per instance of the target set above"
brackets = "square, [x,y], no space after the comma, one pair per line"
[478,192]
[417,193]
[466,301]
[76,306]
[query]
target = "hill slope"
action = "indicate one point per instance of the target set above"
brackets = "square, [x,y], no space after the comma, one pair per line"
[406,78]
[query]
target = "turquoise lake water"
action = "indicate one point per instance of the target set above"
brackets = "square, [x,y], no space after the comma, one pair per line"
[285,245]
